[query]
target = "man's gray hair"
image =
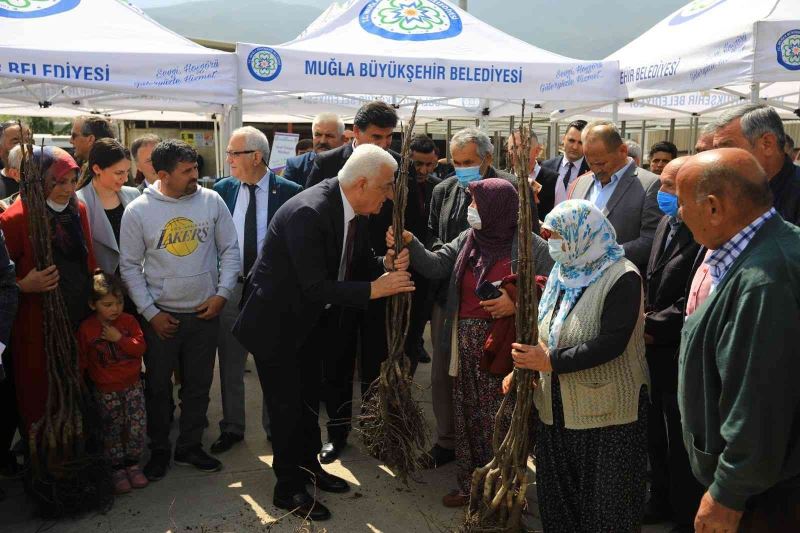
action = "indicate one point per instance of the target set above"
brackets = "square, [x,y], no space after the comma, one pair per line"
[463,137]
[366,161]
[326,117]
[708,129]
[756,120]
[254,139]
[606,131]
[15,157]
[634,149]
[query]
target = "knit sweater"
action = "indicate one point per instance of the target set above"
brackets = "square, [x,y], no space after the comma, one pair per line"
[739,359]
[604,395]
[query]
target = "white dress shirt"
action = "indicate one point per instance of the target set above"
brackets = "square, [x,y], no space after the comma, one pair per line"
[349,214]
[240,211]
[561,191]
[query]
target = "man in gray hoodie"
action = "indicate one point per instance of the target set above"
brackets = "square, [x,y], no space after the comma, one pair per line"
[180,261]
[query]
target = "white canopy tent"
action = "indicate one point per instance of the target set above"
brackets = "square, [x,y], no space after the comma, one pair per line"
[416,49]
[100,54]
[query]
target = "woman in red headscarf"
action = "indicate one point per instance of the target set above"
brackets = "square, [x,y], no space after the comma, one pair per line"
[477,262]
[73,262]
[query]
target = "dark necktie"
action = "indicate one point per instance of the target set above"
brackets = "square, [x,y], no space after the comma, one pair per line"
[250,232]
[348,247]
[567,174]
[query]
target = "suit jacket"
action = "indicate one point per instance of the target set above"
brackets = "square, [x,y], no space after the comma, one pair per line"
[280,191]
[426,237]
[296,275]
[446,221]
[668,273]
[632,210]
[9,295]
[328,164]
[554,164]
[298,168]
[547,196]
[106,248]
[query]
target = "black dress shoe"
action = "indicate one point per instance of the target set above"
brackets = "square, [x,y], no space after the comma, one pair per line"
[196,457]
[331,451]
[225,442]
[303,505]
[156,467]
[437,457]
[328,482]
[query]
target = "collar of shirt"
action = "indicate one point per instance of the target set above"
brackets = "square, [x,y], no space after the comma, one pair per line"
[576,164]
[263,183]
[535,174]
[720,260]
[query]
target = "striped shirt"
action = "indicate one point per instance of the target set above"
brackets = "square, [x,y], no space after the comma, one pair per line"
[721,259]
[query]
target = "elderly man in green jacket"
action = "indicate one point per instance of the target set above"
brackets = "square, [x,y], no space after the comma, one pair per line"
[739,358]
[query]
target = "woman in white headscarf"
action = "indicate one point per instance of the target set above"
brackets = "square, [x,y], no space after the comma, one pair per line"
[591,454]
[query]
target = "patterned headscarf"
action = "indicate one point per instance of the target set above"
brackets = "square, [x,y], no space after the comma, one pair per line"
[591,244]
[498,205]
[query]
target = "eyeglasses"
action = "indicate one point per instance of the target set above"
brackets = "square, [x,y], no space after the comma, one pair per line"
[232,153]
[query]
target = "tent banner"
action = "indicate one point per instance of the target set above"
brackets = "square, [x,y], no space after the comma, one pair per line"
[285,69]
[778,54]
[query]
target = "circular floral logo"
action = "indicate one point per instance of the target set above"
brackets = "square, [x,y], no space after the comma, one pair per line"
[23,9]
[788,49]
[410,20]
[694,9]
[264,63]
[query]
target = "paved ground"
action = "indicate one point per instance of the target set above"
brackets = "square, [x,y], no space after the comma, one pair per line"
[239,499]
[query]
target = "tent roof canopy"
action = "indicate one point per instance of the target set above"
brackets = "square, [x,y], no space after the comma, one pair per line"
[417,48]
[48,56]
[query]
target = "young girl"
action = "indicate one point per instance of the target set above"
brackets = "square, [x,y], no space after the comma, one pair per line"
[111,345]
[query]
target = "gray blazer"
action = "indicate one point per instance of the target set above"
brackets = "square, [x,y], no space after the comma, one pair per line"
[632,210]
[106,250]
[440,264]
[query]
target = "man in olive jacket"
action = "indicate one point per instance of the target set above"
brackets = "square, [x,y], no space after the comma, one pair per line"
[737,390]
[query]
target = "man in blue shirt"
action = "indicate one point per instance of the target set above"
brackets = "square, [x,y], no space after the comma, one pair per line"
[625,193]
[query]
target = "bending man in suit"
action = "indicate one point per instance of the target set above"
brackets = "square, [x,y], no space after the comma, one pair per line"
[313,266]
[625,193]
[328,134]
[569,166]
[253,195]
[674,492]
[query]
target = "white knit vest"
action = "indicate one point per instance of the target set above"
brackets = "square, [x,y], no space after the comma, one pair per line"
[605,395]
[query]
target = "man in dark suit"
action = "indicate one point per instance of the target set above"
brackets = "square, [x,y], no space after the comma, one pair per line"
[674,492]
[253,194]
[542,180]
[569,166]
[625,193]
[11,134]
[374,124]
[314,264]
[472,152]
[328,134]
[141,149]
[425,159]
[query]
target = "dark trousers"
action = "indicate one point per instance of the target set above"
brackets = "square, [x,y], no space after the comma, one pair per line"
[421,308]
[10,421]
[192,351]
[292,394]
[673,485]
[373,343]
[775,511]
[339,328]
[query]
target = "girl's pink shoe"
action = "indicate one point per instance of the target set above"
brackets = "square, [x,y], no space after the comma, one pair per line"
[136,477]
[121,483]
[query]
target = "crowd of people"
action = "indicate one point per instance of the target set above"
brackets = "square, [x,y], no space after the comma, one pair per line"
[669,299]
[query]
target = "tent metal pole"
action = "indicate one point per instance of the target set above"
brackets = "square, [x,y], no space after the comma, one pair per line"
[553,148]
[463,4]
[755,88]
[447,141]
[671,137]
[615,112]
[623,126]
[643,140]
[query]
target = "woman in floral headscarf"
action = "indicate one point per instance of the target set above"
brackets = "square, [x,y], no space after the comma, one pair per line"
[485,253]
[591,452]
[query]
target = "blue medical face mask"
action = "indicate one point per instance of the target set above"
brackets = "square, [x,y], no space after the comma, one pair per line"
[467,175]
[668,203]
